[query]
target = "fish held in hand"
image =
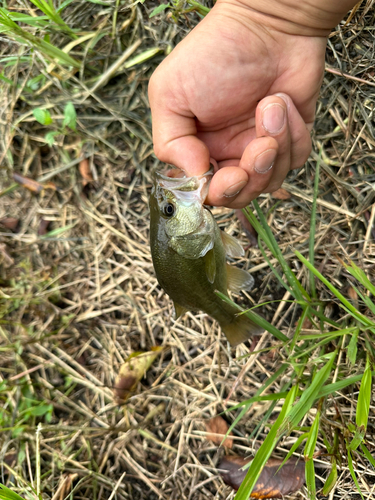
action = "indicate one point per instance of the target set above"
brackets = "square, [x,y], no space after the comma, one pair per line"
[189,253]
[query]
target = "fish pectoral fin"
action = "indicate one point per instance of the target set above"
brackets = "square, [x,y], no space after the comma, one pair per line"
[232,247]
[239,280]
[210,265]
[179,310]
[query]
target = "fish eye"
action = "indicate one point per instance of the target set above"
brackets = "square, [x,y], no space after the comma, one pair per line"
[169,209]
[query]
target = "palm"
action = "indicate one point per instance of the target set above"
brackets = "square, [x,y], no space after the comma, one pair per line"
[225,116]
[211,95]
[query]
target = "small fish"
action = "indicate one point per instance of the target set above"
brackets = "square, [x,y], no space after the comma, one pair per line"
[189,253]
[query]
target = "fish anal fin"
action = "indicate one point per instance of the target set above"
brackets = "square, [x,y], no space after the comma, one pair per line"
[241,329]
[238,279]
[179,310]
[232,247]
[210,265]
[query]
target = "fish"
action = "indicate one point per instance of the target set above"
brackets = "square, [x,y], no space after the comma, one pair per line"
[189,253]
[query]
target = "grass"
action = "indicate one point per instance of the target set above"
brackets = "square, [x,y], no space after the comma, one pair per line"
[76,301]
[293,411]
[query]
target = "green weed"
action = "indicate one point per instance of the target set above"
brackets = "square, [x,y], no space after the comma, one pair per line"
[306,390]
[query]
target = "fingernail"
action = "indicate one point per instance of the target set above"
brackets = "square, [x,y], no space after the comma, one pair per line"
[264,162]
[273,118]
[234,189]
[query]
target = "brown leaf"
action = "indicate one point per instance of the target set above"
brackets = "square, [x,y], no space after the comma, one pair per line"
[10,223]
[307,325]
[32,185]
[352,293]
[271,482]
[281,194]
[131,372]
[217,429]
[250,232]
[85,171]
[43,227]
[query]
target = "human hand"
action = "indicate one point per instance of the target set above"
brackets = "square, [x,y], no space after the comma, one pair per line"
[240,92]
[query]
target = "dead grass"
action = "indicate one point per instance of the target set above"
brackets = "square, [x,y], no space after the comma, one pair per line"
[75,304]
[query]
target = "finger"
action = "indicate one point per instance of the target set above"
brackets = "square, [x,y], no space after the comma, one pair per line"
[235,186]
[299,134]
[174,130]
[271,120]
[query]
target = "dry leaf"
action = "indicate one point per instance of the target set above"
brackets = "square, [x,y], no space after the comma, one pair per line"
[131,372]
[352,293]
[271,483]
[43,227]
[281,194]
[217,429]
[85,171]
[32,185]
[10,223]
[250,232]
[306,325]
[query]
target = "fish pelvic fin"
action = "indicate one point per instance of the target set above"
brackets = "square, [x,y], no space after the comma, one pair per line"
[241,329]
[179,310]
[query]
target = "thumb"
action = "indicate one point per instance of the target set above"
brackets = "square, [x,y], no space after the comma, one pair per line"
[174,131]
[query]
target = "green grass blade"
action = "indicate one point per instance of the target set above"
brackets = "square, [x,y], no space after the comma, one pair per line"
[310,479]
[331,479]
[267,397]
[50,11]
[352,473]
[369,303]
[352,347]
[339,386]
[309,395]
[299,327]
[301,438]
[360,275]
[142,57]
[364,397]
[368,455]
[313,228]
[57,231]
[299,291]
[8,494]
[334,290]
[265,450]
[309,453]
[273,269]
[199,7]
[257,319]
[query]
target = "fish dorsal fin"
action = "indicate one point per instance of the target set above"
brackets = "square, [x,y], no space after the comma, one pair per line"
[238,279]
[210,265]
[232,246]
[179,310]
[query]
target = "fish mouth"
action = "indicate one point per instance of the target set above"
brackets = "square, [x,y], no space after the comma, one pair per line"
[174,179]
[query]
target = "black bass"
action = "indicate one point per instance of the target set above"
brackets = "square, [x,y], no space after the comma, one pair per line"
[189,253]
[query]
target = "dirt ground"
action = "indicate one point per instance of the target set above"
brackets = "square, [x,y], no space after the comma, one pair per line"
[79,297]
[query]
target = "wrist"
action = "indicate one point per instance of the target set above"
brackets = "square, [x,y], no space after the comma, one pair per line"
[295,17]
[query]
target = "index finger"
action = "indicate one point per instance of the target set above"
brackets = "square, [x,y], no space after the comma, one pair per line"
[174,131]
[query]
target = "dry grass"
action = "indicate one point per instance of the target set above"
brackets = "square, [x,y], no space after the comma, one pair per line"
[74,304]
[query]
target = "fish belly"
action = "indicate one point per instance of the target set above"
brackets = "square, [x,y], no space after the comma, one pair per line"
[186,282]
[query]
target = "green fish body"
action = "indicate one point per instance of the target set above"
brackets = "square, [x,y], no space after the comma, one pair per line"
[189,254]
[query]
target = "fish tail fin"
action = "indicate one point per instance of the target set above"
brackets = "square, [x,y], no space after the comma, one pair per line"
[241,329]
